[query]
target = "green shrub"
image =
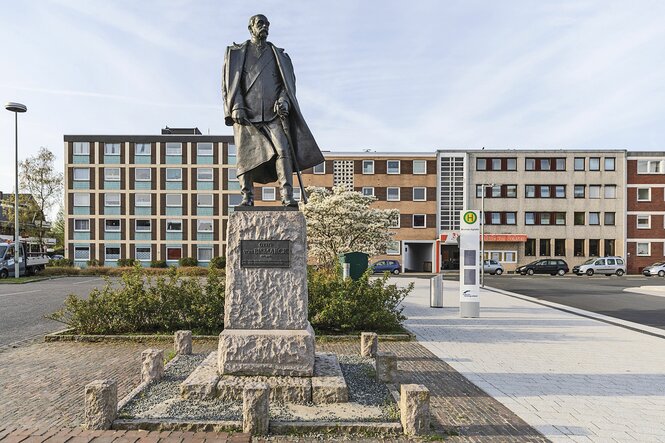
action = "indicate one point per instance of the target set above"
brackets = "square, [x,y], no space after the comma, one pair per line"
[60,270]
[94,262]
[188,261]
[218,262]
[61,262]
[139,303]
[339,305]
[158,264]
[125,262]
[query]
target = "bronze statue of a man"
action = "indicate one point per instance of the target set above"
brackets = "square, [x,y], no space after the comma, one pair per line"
[259,93]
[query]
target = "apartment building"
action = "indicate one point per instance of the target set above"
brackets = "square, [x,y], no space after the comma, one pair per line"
[153,197]
[645,219]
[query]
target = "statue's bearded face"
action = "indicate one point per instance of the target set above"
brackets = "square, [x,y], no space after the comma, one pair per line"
[259,26]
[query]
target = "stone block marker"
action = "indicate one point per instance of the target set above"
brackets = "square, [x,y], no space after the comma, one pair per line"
[328,384]
[183,342]
[414,409]
[202,383]
[152,364]
[369,344]
[386,367]
[101,404]
[255,408]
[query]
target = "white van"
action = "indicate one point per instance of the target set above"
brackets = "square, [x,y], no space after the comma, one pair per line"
[605,265]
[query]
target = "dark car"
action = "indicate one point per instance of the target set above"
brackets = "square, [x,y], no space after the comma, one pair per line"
[387,266]
[544,266]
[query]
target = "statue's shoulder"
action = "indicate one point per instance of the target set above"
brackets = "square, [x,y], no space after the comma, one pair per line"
[236,46]
[279,51]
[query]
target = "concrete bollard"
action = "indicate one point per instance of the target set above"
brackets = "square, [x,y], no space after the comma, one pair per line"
[255,408]
[386,367]
[183,342]
[414,409]
[152,365]
[369,344]
[101,404]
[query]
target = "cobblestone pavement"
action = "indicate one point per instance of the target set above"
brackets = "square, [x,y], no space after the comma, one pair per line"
[78,435]
[572,378]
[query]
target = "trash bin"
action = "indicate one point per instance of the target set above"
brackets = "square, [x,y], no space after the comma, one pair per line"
[436,292]
[427,266]
[355,262]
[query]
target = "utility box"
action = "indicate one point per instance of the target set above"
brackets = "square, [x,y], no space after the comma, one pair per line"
[354,264]
[436,292]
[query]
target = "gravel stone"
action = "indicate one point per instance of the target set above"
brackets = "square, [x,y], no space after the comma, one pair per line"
[359,374]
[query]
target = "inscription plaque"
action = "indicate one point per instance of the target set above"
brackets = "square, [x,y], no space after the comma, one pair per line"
[265,253]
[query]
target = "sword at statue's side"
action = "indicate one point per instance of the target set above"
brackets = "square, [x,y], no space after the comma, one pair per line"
[287,131]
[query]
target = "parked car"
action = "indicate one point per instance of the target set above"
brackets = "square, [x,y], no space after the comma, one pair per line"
[657,268]
[492,267]
[604,265]
[57,257]
[392,266]
[545,266]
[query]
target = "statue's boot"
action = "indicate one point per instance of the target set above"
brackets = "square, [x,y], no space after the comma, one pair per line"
[246,189]
[285,178]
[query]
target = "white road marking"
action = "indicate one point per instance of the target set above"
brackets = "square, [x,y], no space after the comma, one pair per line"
[87,281]
[19,293]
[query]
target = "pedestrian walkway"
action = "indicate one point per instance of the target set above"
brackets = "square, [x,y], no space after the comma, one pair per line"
[572,378]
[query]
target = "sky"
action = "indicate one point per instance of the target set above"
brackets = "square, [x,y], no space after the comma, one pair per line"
[386,75]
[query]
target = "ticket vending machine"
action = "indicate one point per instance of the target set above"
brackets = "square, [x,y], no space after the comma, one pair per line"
[469,243]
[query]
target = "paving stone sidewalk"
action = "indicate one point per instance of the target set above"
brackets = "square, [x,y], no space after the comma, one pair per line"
[575,379]
[41,386]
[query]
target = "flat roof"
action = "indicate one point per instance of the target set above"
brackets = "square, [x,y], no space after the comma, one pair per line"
[147,138]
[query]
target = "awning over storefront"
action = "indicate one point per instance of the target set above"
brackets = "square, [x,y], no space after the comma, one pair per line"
[519,238]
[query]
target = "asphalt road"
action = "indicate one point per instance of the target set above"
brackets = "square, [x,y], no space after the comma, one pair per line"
[23,306]
[600,294]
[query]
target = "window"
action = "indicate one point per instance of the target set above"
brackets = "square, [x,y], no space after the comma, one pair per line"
[204,226]
[203,253]
[511,218]
[545,218]
[173,148]
[112,174]
[81,199]
[296,194]
[579,163]
[559,247]
[174,200]
[81,174]
[530,247]
[578,219]
[578,191]
[643,222]
[481,164]
[81,252]
[204,150]
[173,225]
[610,163]
[610,191]
[111,253]
[560,191]
[495,191]
[594,191]
[509,256]
[594,164]
[143,226]
[545,164]
[320,168]
[268,193]
[143,253]
[81,148]
[232,152]
[545,247]
[578,247]
[419,194]
[142,174]
[495,218]
[529,218]
[368,166]
[419,221]
[511,191]
[368,192]
[530,191]
[643,249]
[420,167]
[560,164]
[112,200]
[112,225]
[82,225]
[609,218]
[545,191]
[143,200]
[173,174]
[393,248]
[392,194]
[232,174]
[392,166]
[173,253]
[530,164]
[204,174]
[142,149]
[643,194]
[479,191]
[649,167]
[610,249]
[111,148]
[234,200]
[511,164]
[560,218]
[496,164]
[205,200]
[594,218]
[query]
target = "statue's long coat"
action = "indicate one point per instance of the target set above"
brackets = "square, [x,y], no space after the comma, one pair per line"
[255,151]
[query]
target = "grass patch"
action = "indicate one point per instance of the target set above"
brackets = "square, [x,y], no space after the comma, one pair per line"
[15,281]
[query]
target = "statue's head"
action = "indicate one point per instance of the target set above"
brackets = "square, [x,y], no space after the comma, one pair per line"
[258,26]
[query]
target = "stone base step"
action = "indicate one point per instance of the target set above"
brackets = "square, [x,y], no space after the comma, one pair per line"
[328,384]
[202,383]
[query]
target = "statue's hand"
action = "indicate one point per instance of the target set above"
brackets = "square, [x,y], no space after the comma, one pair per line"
[282,108]
[239,116]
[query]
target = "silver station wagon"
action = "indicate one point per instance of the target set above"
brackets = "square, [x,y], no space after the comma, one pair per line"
[604,265]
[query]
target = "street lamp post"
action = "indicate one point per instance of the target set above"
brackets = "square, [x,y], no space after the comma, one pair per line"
[16,108]
[482,233]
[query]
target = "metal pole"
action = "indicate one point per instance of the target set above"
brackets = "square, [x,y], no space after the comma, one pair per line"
[482,236]
[17,243]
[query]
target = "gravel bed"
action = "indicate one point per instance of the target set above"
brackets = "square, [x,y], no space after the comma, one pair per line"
[360,376]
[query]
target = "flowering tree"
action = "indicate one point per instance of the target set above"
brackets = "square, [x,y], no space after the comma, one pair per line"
[341,221]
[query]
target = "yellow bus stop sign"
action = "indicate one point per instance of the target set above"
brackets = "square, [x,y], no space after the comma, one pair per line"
[470,217]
